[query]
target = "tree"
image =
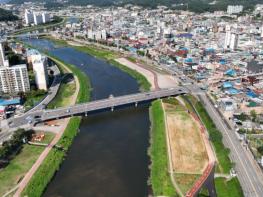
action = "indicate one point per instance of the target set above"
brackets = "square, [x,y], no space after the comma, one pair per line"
[253,114]
[260,150]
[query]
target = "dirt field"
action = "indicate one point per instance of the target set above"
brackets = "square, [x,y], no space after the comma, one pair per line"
[188,152]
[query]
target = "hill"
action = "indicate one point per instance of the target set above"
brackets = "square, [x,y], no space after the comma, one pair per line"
[6,15]
[193,5]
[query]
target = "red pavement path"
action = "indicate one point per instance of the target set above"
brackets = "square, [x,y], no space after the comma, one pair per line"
[39,161]
[209,169]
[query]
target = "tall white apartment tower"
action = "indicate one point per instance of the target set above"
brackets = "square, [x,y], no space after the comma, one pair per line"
[29,17]
[45,17]
[40,70]
[227,39]
[38,19]
[233,41]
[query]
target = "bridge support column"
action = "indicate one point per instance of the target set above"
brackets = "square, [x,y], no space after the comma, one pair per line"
[136,104]
[112,108]
[86,114]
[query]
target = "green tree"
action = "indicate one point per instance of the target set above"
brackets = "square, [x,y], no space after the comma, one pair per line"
[253,115]
[260,150]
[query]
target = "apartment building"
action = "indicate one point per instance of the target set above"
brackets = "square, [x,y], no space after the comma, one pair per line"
[14,79]
[40,70]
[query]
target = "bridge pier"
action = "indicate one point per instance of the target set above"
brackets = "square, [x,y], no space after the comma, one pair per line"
[112,108]
[86,114]
[136,104]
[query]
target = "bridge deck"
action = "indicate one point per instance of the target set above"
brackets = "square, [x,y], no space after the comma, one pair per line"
[44,115]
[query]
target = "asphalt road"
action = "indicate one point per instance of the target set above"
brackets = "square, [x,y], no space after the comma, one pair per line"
[248,172]
[43,115]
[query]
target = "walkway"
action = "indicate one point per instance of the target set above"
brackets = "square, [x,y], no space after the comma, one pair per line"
[44,154]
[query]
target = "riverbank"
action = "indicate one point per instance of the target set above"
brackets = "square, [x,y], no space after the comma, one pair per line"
[159,177]
[112,58]
[41,27]
[42,174]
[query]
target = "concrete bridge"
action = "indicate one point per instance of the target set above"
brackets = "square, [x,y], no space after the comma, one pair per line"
[94,106]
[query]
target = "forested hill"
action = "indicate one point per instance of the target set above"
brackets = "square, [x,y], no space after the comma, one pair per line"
[6,15]
[193,5]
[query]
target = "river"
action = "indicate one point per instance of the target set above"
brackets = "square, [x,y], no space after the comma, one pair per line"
[109,155]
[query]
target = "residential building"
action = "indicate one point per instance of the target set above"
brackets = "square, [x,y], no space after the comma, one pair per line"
[45,17]
[14,79]
[38,19]
[40,70]
[29,17]
[3,61]
[234,9]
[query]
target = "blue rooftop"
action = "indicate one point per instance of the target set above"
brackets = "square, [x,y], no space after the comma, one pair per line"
[227,84]
[9,102]
[252,94]
[232,91]
[230,72]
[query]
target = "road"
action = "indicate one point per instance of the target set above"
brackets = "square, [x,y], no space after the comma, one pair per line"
[248,172]
[110,103]
[52,91]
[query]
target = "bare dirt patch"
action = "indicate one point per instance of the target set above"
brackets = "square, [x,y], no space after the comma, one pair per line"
[188,152]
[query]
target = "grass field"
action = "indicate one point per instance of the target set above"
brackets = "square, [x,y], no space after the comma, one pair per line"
[17,168]
[185,181]
[64,95]
[230,188]
[159,177]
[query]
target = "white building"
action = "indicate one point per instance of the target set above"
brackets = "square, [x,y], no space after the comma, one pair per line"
[234,41]
[234,9]
[45,17]
[38,19]
[14,79]
[231,40]
[40,70]
[3,61]
[29,17]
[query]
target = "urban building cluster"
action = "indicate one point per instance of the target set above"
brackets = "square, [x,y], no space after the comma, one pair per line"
[14,79]
[222,51]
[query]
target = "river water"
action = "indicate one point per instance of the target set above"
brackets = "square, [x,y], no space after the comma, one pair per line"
[109,155]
